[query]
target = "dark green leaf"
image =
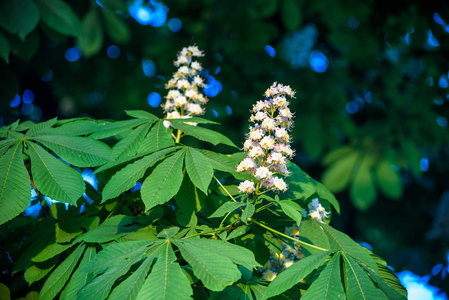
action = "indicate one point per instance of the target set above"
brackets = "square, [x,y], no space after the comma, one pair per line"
[41,127]
[141,114]
[292,209]
[164,182]
[129,145]
[5,48]
[311,232]
[389,180]
[291,15]
[54,178]
[363,192]
[225,208]
[115,27]
[337,176]
[18,17]
[293,274]
[91,36]
[328,285]
[248,212]
[59,16]
[114,128]
[14,184]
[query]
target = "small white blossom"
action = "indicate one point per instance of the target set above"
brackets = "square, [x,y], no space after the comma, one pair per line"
[246,187]
[263,172]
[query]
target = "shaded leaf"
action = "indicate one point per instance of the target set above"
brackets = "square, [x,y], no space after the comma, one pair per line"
[54,178]
[129,145]
[58,278]
[336,176]
[363,192]
[225,208]
[164,182]
[293,274]
[291,15]
[5,48]
[328,285]
[91,36]
[14,184]
[389,180]
[248,212]
[59,16]
[18,17]
[292,209]
[116,28]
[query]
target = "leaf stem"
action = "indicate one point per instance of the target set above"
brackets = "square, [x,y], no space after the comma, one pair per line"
[286,236]
[207,232]
[265,206]
[178,136]
[225,189]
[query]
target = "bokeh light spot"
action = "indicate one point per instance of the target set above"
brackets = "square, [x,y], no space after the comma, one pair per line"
[442,121]
[431,40]
[212,87]
[27,109]
[149,68]
[174,24]
[28,96]
[73,54]
[353,22]
[154,99]
[352,107]
[228,110]
[318,62]
[16,101]
[113,51]
[47,76]
[270,51]
[424,164]
[443,81]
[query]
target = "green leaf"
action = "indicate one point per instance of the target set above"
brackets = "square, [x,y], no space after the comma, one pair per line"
[337,176]
[292,209]
[221,162]
[127,177]
[5,292]
[299,184]
[340,241]
[389,180]
[158,138]
[38,271]
[164,182]
[18,17]
[311,232]
[166,280]
[59,16]
[215,270]
[51,251]
[79,277]
[78,151]
[111,229]
[54,178]
[142,114]
[225,208]
[328,285]
[199,169]
[14,184]
[41,127]
[117,30]
[203,134]
[189,201]
[249,211]
[6,144]
[358,284]
[112,262]
[5,48]
[130,287]
[291,15]
[363,192]
[58,278]
[114,128]
[129,145]
[91,37]
[293,274]
[74,128]
[387,282]
[26,49]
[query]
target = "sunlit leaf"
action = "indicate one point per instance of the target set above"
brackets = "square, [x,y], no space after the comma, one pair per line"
[336,176]
[129,145]
[157,139]
[363,192]
[389,180]
[199,169]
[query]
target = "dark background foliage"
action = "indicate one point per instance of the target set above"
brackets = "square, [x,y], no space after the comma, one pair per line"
[371,78]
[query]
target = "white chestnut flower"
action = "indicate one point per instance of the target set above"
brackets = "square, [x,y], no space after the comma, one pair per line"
[246,187]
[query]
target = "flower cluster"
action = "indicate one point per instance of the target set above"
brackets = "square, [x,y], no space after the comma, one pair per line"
[184,98]
[281,261]
[267,146]
[316,211]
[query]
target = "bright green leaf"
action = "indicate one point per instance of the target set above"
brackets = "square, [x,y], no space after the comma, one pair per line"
[158,138]
[225,208]
[363,192]
[105,130]
[5,292]
[311,232]
[164,182]
[389,180]
[166,280]
[337,176]
[127,177]
[129,145]
[41,127]
[14,184]
[54,178]
[142,114]
[38,271]
[292,209]
[78,151]
[293,274]
[328,285]
[59,16]
[199,169]
[18,17]
[248,212]
[51,251]
[58,278]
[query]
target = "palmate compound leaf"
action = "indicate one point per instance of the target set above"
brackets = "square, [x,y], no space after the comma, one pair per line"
[158,138]
[164,182]
[328,285]
[79,278]
[109,265]
[358,284]
[129,145]
[54,178]
[311,232]
[78,151]
[126,178]
[225,208]
[340,241]
[14,184]
[213,261]
[105,129]
[167,280]
[203,134]
[291,276]
[292,209]
[58,278]
[199,169]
